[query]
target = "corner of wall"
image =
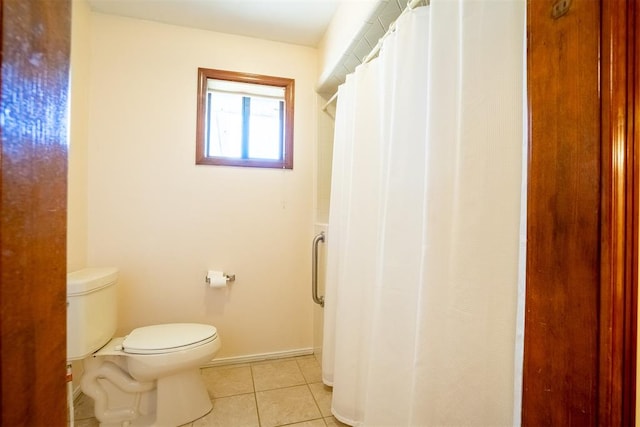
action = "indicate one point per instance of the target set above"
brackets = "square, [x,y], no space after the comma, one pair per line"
[78,136]
[346,24]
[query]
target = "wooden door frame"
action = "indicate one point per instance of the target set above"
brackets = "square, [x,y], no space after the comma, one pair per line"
[34,87]
[620,72]
[582,295]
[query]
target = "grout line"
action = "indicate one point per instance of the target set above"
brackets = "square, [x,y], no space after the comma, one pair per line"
[255,395]
[316,402]
[306,421]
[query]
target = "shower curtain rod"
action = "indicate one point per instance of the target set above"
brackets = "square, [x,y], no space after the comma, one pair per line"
[412,4]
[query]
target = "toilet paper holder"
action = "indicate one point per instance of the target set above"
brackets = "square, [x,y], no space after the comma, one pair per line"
[227,277]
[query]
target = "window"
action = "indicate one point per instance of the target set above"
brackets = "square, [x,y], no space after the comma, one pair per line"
[244,120]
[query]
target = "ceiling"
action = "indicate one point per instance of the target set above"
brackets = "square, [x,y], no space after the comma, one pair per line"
[300,22]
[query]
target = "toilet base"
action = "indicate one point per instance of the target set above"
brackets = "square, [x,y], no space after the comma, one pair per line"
[181,398]
[173,400]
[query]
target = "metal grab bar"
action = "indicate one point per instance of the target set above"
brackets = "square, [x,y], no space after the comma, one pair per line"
[314,270]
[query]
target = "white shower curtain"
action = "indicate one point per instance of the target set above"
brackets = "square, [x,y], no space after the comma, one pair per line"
[423,244]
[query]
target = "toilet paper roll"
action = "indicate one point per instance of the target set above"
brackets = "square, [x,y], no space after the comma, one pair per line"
[216,279]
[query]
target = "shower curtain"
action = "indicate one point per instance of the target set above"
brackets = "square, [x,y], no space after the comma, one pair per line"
[424,240]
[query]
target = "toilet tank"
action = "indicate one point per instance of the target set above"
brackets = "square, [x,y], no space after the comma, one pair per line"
[91,310]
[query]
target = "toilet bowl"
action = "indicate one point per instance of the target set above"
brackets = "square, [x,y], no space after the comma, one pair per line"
[150,377]
[162,350]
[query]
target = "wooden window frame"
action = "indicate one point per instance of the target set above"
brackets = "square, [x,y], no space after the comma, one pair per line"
[286,158]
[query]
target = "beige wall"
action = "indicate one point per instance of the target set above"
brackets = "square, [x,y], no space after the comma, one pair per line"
[164,221]
[324,161]
[345,25]
[78,140]
[78,144]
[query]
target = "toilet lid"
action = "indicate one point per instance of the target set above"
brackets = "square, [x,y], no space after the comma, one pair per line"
[168,337]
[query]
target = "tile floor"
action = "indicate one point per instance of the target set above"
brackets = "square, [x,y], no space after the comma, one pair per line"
[282,392]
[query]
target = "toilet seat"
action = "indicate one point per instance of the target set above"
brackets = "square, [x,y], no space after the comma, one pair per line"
[168,338]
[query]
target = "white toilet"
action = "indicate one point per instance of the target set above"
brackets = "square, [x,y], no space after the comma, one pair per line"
[151,377]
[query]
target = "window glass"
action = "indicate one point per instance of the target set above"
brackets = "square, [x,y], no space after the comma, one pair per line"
[224,125]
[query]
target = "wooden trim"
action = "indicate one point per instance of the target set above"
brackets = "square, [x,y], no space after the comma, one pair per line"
[577,371]
[630,389]
[33,189]
[289,96]
[619,245]
[560,373]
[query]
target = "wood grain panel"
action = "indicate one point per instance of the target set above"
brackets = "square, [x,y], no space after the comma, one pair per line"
[561,320]
[34,91]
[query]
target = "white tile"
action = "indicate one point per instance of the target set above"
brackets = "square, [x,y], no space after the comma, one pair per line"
[236,411]
[228,380]
[322,394]
[276,374]
[310,369]
[286,406]
[313,423]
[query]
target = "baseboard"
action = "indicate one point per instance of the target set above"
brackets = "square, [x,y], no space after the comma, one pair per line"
[258,357]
